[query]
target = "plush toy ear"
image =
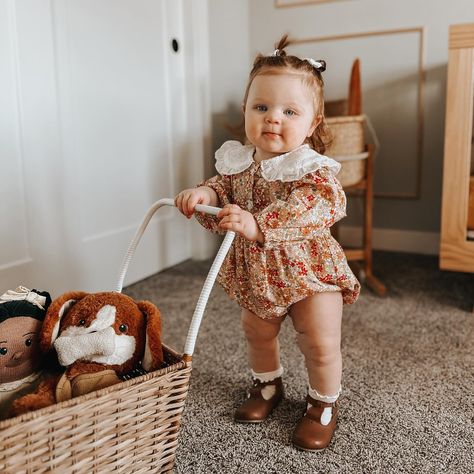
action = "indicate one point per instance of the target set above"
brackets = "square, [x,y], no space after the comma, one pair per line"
[58,308]
[153,356]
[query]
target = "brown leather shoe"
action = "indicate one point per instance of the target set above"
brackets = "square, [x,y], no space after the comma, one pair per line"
[258,406]
[310,434]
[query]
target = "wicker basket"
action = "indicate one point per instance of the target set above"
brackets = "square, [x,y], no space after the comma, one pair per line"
[348,147]
[129,427]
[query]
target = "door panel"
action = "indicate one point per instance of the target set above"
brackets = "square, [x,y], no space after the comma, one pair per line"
[102,119]
[13,229]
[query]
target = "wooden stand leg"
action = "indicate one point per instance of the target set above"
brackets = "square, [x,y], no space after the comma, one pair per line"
[370,279]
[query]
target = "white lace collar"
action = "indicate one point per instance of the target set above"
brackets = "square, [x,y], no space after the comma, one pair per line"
[233,158]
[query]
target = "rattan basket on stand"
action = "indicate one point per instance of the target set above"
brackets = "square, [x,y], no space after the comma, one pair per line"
[129,427]
[348,147]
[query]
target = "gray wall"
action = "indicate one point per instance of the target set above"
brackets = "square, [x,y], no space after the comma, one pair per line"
[241,29]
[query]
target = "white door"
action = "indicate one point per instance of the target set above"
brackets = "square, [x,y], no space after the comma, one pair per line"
[95,126]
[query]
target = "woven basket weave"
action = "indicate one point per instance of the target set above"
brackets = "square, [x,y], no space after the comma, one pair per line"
[348,143]
[132,426]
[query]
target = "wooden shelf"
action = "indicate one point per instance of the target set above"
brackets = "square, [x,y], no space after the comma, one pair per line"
[365,189]
[456,251]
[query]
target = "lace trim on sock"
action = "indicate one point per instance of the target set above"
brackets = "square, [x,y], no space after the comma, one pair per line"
[313,393]
[267,376]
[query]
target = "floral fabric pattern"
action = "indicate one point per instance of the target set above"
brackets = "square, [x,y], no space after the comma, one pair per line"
[299,256]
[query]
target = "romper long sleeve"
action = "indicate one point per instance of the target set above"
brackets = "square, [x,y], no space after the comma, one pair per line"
[295,198]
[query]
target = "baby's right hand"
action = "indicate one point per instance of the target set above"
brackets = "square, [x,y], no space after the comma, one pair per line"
[186,200]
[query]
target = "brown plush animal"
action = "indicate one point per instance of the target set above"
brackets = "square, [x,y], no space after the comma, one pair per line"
[98,337]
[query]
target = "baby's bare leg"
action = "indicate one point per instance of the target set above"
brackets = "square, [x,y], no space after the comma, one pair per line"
[264,359]
[317,320]
[262,341]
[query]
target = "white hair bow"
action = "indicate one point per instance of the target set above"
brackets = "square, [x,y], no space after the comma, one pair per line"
[23,294]
[316,64]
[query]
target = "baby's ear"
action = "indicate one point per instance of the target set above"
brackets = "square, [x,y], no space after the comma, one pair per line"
[317,120]
[56,311]
[153,356]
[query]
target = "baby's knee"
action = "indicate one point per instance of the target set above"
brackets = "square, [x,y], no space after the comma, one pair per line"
[323,350]
[325,357]
[257,329]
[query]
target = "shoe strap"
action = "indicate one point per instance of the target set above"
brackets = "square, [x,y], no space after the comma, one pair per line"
[257,383]
[257,386]
[318,403]
[316,409]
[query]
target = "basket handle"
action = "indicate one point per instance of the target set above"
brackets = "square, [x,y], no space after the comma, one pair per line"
[210,279]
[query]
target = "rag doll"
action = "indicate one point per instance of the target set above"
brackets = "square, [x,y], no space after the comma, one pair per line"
[22,312]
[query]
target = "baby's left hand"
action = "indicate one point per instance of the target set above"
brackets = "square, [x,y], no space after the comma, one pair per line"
[232,217]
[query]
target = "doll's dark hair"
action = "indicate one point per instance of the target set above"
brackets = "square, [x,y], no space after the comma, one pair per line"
[311,75]
[16,308]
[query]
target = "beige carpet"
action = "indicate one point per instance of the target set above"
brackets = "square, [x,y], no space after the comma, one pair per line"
[407,404]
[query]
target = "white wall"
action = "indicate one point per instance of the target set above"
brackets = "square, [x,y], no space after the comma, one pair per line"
[230,60]
[419,218]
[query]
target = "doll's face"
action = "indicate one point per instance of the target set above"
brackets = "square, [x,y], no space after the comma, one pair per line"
[19,349]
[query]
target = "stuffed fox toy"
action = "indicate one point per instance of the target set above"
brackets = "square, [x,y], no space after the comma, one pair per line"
[97,337]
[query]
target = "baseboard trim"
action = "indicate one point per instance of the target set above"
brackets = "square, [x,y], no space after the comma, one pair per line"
[393,240]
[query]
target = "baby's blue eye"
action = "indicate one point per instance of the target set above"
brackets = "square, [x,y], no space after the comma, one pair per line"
[290,112]
[261,108]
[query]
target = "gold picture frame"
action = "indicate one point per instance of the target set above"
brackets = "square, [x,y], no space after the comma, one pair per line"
[300,3]
[420,31]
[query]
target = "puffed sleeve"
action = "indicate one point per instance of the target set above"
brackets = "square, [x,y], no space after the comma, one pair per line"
[316,202]
[222,186]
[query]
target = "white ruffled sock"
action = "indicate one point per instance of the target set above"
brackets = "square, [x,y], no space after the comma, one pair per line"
[267,376]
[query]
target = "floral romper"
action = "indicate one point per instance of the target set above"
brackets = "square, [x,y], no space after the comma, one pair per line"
[295,198]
